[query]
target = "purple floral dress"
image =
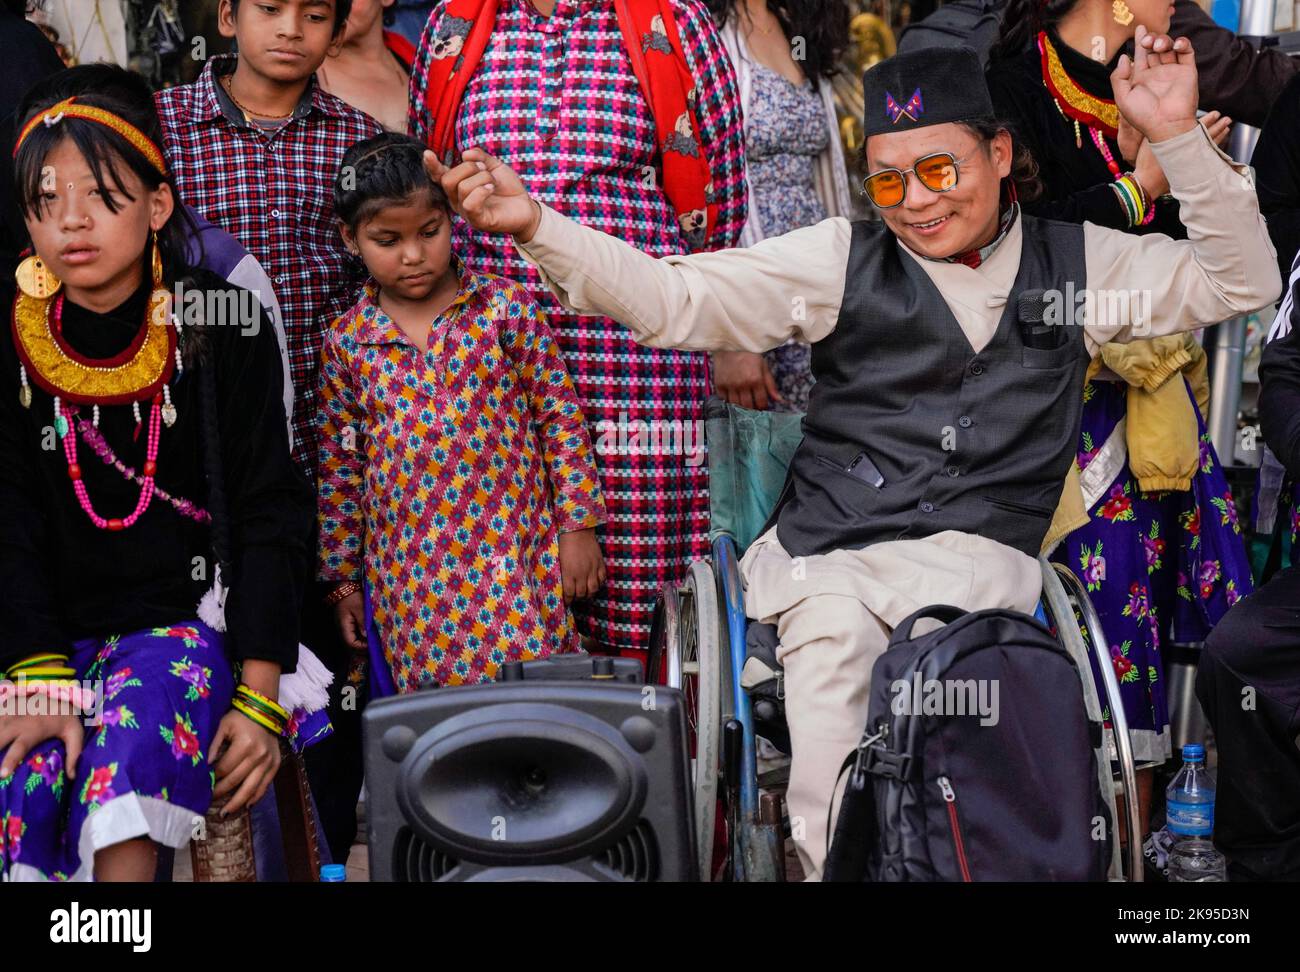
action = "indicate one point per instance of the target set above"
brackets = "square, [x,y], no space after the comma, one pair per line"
[143,769]
[1159,567]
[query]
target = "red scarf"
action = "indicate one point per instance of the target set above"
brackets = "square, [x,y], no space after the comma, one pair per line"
[655,51]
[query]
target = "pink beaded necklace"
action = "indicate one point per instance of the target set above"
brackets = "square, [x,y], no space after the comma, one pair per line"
[186,508]
[69,436]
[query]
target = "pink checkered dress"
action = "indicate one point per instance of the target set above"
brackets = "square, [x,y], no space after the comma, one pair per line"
[555,97]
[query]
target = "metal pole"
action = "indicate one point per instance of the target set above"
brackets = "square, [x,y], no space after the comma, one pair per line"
[1256,18]
[1225,389]
[1229,346]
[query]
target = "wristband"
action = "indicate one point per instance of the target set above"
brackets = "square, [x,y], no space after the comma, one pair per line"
[346,589]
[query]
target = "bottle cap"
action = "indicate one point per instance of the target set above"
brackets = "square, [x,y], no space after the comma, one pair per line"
[1193,751]
[333,872]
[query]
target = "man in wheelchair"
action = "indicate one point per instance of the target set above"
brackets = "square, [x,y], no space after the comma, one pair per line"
[947,359]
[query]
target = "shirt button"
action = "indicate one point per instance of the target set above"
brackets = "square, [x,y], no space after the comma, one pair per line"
[965,422]
[279,279]
[275,213]
[927,506]
[952,471]
[977,369]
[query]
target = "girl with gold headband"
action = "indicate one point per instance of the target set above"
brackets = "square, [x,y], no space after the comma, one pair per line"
[143,455]
[1149,522]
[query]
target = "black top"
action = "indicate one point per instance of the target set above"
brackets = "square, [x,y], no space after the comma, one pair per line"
[63,579]
[1279,392]
[1076,179]
[1233,76]
[1277,175]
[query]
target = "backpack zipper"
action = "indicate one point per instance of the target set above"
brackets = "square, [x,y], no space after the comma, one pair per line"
[950,798]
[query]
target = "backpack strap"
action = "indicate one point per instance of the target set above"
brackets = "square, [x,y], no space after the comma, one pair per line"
[654,49]
[467,25]
[847,855]
[943,612]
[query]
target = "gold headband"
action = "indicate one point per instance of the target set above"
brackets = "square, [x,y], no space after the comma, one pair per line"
[54,114]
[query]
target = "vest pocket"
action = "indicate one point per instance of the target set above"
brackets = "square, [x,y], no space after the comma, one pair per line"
[860,469]
[1046,358]
[1023,509]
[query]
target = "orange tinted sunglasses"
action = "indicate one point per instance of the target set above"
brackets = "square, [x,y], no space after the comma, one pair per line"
[888,187]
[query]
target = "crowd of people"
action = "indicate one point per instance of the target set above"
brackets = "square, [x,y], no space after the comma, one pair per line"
[365,455]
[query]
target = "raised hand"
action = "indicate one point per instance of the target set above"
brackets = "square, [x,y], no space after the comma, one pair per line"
[1156,89]
[486,193]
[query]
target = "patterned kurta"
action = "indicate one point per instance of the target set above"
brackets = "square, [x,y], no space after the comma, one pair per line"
[448,475]
[555,98]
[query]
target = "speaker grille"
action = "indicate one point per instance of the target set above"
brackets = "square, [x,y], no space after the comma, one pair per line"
[635,857]
[414,861]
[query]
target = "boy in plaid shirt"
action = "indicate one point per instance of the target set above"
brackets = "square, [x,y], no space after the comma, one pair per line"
[254,146]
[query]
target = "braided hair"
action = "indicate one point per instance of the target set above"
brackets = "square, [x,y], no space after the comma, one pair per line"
[381,171]
[1021,22]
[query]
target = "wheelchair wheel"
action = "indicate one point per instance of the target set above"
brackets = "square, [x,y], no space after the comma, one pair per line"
[692,653]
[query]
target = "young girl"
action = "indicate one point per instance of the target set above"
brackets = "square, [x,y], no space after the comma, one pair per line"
[138,456]
[456,470]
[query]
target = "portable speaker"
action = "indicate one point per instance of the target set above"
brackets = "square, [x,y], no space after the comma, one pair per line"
[573,667]
[529,781]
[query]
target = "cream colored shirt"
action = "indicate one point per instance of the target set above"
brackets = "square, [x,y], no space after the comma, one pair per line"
[757,298]
[791,286]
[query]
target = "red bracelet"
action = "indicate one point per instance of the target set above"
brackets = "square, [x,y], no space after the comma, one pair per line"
[346,589]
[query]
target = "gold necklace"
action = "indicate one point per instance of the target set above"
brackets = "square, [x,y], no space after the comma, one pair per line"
[229,85]
[137,373]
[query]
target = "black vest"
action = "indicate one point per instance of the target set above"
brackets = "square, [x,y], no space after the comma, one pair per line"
[979,443]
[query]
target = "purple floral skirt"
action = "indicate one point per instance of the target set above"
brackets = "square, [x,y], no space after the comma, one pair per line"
[1159,567]
[143,771]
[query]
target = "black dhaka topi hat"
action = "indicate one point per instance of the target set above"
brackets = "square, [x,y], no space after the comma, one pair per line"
[926,87]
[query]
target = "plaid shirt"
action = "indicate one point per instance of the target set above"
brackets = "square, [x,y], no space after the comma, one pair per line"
[272,190]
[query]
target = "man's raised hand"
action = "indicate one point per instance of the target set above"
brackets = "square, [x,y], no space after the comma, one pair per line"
[1156,89]
[486,193]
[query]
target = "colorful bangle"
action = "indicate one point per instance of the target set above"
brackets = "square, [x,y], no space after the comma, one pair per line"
[264,711]
[346,589]
[1131,195]
[1148,204]
[43,666]
[256,698]
[274,728]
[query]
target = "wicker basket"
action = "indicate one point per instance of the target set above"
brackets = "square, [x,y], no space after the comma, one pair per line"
[226,852]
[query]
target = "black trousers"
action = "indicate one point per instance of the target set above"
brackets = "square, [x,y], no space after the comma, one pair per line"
[1248,683]
[334,765]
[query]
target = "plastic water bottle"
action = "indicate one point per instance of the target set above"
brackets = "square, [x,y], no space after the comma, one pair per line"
[1190,816]
[330,873]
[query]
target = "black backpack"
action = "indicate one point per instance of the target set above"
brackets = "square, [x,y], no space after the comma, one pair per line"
[960,23]
[1000,785]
